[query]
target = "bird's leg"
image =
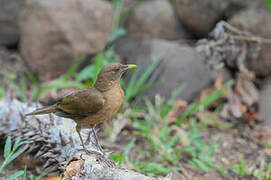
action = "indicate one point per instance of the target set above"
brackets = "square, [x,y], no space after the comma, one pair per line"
[96,140]
[88,140]
[78,128]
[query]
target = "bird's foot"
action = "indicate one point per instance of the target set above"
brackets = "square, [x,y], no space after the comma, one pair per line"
[91,151]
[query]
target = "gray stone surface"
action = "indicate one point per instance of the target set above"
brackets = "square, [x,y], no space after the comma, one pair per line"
[200,16]
[234,6]
[9,33]
[265,102]
[155,19]
[258,22]
[181,65]
[54,34]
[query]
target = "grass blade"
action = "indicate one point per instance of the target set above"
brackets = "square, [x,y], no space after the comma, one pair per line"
[19,152]
[16,144]
[7,147]
[15,175]
[128,148]
[147,73]
[215,95]
[24,175]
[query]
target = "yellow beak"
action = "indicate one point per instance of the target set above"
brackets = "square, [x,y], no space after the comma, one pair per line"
[130,66]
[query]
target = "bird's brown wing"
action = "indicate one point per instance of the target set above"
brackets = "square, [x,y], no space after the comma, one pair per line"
[81,103]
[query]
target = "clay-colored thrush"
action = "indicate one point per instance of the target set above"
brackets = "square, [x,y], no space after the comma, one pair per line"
[93,105]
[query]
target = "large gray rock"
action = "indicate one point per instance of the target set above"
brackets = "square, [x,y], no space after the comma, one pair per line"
[200,16]
[9,33]
[234,6]
[181,65]
[54,34]
[265,102]
[155,19]
[258,22]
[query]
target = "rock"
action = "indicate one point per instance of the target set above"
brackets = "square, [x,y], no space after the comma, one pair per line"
[9,33]
[234,6]
[265,102]
[155,19]
[11,63]
[11,68]
[54,34]
[200,16]
[258,22]
[181,65]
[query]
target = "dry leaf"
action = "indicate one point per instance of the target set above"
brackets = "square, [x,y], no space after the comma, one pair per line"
[235,105]
[182,136]
[263,134]
[206,117]
[51,178]
[219,81]
[267,151]
[206,92]
[246,89]
[178,109]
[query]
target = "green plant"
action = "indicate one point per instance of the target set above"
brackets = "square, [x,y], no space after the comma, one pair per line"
[202,154]
[12,152]
[268,4]
[161,141]
[242,168]
[209,99]
[33,177]
[120,15]
[136,84]
[2,91]
[120,158]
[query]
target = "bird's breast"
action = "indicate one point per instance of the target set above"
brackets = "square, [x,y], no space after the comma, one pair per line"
[113,99]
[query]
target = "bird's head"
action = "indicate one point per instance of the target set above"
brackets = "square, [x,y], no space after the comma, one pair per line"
[112,73]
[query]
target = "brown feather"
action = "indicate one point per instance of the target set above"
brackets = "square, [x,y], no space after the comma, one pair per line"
[43,110]
[82,102]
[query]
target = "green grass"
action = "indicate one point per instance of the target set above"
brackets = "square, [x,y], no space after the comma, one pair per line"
[163,141]
[119,16]
[215,95]
[10,153]
[268,4]
[137,83]
[242,168]
[120,158]
[202,154]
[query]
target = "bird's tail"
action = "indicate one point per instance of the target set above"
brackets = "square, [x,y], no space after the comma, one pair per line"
[44,110]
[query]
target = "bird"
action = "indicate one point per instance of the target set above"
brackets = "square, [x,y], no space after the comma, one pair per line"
[93,105]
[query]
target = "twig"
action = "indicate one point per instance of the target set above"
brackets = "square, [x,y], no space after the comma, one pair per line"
[251,38]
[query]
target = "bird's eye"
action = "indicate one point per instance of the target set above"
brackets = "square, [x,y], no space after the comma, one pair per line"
[117,69]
